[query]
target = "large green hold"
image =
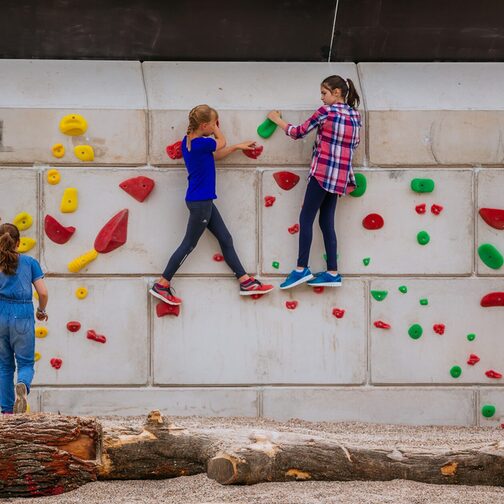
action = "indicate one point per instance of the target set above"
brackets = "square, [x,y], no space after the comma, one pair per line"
[379,295]
[415,331]
[266,128]
[490,256]
[361,182]
[488,410]
[422,185]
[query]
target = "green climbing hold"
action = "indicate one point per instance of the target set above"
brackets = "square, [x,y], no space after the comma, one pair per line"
[415,331]
[423,238]
[361,183]
[471,337]
[325,257]
[422,185]
[424,301]
[403,289]
[490,256]
[379,295]
[366,261]
[266,128]
[275,264]
[488,410]
[456,371]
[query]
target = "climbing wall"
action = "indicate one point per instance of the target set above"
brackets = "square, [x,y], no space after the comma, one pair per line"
[90,169]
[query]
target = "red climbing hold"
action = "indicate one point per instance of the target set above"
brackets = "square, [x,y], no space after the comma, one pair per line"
[420,209]
[56,363]
[286,180]
[373,221]
[218,257]
[493,374]
[113,234]
[291,305]
[436,209]
[73,326]
[493,217]
[381,325]
[473,359]
[138,187]
[338,312]
[253,153]
[318,290]
[163,309]
[257,296]
[269,200]
[99,338]
[493,299]
[439,328]
[56,231]
[294,229]
[174,150]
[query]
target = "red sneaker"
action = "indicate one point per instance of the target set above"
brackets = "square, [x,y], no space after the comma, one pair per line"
[165,294]
[253,286]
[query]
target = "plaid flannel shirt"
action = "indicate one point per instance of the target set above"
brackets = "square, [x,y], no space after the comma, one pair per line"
[337,137]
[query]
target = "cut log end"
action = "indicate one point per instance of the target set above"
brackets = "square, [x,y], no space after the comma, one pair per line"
[223,469]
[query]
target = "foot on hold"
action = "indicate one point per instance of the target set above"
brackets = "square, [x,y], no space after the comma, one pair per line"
[252,286]
[21,403]
[325,279]
[296,278]
[165,294]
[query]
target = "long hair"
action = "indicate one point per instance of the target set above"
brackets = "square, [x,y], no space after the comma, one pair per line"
[199,115]
[9,238]
[347,88]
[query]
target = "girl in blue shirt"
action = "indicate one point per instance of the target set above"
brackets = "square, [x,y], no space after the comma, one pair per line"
[17,328]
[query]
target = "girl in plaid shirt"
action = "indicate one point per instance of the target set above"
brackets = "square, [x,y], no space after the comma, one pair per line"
[331,175]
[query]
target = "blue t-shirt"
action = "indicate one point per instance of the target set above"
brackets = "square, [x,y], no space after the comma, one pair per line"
[19,285]
[200,165]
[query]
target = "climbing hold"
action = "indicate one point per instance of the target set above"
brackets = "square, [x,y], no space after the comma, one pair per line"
[174,150]
[35,294]
[473,359]
[56,231]
[23,221]
[73,125]
[338,312]
[436,209]
[80,262]
[41,332]
[275,264]
[58,150]
[26,244]
[113,234]
[381,325]
[361,183]
[73,326]
[84,152]
[424,301]
[494,217]
[70,200]
[324,256]
[291,305]
[422,185]
[163,309]
[471,337]
[269,200]
[218,257]
[373,221]
[366,261]
[488,410]
[379,295]
[53,177]
[490,256]
[492,299]
[266,128]
[81,293]
[253,153]
[403,289]
[493,374]
[286,180]
[420,209]
[37,356]
[257,296]
[439,328]
[423,238]
[318,290]
[56,363]
[456,371]
[294,229]
[99,338]
[138,187]
[415,331]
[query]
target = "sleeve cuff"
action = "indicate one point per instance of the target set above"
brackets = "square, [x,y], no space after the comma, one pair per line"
[288,130]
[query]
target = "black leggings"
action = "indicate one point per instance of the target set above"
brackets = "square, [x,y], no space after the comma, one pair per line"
[317,198]
[203,215]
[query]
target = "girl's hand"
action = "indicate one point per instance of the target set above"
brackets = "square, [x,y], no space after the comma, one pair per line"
[248,145]
[41,315]
[274,115]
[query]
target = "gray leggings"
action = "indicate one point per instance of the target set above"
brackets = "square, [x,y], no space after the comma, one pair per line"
[203,215]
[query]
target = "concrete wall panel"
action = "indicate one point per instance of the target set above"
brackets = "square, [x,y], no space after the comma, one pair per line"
[491,397]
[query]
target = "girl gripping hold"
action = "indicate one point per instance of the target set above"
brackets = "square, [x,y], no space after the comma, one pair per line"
[200,152]
[17,330]
[331,174]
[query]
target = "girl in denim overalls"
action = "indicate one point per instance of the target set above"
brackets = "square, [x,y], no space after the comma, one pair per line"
[17,330]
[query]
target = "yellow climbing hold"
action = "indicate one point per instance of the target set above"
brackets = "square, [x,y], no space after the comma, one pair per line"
[70,200]
[73,125]
[81,293]
[84,152]
[41,332]
[53,177]
[37,356]
[58,150]
[26,244]
[80,262]
[35,294]
[23,221]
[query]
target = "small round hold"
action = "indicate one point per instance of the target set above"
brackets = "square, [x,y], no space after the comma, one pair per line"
[415,331]
[456,371]
[423,238]
[373,221]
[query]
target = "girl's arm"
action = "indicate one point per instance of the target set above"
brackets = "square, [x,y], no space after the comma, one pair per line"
[318,117]
[222,153]
[219,138]
[43,295]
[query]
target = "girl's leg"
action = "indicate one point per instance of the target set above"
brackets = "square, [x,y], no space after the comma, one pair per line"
[7,368]
[326,222]
[22,341]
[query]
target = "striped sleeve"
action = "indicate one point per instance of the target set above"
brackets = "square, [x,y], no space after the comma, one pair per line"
[318,117]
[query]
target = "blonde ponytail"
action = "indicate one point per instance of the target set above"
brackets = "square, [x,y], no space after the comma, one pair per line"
[198,115]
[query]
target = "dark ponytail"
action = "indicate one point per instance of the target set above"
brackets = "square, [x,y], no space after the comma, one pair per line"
[347,88]
[9,238]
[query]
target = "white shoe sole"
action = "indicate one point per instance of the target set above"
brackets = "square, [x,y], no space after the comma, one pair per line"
[156,295]
[21,404]
[299,282]
[251,293]
[326,284]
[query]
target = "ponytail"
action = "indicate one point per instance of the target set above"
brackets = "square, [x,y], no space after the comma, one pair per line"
[352,98]
[347,88]
[9,238]
[198,115]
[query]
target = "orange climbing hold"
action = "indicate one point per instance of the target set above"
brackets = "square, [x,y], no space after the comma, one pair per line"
[56,363]
[420,209]
[439,328]
[373,221]
[253,153]
[338,312]
[218,257]
[492,299]
[99,338]
[269,200]
[174,150]
[473,359]
[163,309]
[138,187]
[494,217]
[493,374]
[113,234]
[294,229]
[56,231]
[286,180]
[436,209]
[73,326]
[291,305]
[381,325]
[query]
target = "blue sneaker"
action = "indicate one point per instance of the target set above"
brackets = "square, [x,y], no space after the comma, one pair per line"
[296,278]
[325,279]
